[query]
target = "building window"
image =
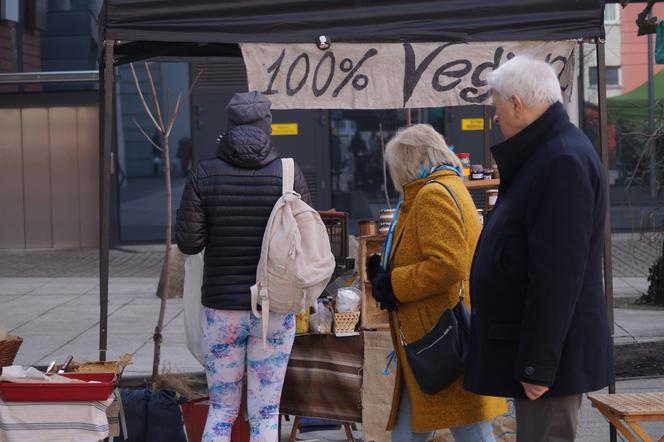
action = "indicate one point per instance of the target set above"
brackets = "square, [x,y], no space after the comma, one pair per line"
[612,76]
[612,14]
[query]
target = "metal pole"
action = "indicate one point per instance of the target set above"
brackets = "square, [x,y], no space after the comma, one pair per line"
[487,135]
[604,153]
[581,86]
[107,71]
[49,77]
[651,119]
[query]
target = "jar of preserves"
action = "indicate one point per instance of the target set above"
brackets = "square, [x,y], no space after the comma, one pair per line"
[465,163]
[477,172]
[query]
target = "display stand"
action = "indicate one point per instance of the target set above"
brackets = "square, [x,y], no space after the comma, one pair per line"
[625,411]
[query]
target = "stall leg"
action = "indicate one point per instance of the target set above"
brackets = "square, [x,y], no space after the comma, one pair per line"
[349,432]
[293,433]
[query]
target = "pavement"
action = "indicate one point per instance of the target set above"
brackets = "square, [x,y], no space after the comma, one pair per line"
[51,299]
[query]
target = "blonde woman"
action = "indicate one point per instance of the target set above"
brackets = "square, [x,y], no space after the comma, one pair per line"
[420,278]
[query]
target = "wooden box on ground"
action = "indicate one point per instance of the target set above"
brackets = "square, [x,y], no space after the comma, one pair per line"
[372,317]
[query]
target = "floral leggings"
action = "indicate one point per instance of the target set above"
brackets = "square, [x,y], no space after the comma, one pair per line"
[231,340]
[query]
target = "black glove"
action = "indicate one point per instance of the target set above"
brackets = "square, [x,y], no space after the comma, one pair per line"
[381,290]
[381,284]
[374,266]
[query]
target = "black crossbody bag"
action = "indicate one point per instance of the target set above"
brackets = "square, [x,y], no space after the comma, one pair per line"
[439,357]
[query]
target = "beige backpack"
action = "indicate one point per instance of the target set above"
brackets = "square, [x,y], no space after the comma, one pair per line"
[296,260]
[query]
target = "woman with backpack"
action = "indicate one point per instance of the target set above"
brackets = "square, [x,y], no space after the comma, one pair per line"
[422,274]
[224,210]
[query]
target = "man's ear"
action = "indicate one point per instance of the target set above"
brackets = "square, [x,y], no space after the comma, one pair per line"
[517,105]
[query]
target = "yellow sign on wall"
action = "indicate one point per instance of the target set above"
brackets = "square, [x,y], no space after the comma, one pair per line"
[472,124]
[285,129]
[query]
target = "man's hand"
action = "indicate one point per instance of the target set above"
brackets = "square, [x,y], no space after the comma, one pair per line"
[534,391]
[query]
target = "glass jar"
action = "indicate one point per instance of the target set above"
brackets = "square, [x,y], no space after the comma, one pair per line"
[302,321]
[491,198]
[477,172]
[465,164]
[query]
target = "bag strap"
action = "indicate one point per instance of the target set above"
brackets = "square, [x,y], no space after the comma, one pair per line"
[462,293]
[288,175]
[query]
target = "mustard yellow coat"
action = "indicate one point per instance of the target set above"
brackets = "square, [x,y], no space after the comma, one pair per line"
[432,258]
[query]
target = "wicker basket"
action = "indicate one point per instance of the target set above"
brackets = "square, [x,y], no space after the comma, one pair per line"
[8,349]
[346,322]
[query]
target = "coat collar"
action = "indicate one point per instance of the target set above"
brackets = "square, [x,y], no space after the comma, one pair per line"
[513,153]
[411,189]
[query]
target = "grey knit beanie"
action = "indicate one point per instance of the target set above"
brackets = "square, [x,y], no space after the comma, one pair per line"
[250,108]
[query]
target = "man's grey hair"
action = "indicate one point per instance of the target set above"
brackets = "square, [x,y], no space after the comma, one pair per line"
[415,146]
[534,81]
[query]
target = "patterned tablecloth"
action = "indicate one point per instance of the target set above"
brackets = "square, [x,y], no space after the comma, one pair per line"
[324,378]
[59,421]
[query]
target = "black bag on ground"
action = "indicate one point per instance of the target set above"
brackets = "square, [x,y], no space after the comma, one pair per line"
[135,406]
[165,417]
[152,416]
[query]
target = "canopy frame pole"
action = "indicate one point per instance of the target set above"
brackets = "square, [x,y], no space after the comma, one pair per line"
[652,152]
[486,116]
[106,87]
[604,154]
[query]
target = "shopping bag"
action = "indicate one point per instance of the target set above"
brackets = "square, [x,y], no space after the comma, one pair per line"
[193,308]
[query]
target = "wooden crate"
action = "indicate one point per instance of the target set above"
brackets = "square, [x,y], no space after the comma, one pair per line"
[372,317]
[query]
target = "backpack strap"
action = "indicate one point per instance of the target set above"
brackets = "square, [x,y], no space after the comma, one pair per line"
[288,179]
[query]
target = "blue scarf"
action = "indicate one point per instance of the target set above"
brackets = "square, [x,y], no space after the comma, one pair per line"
[422,173]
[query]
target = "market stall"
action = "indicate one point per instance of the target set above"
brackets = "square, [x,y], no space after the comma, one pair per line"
[347,54]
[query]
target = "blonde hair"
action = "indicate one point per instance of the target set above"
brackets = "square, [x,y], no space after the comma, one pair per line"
[415,146]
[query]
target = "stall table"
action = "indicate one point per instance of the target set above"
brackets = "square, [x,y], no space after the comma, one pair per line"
[625,411]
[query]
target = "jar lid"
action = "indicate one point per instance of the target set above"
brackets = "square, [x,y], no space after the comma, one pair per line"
[463,155]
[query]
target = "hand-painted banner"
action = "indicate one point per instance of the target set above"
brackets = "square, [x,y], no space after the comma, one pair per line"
[390,75]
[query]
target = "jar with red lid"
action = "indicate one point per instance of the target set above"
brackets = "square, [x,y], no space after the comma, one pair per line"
[465,163]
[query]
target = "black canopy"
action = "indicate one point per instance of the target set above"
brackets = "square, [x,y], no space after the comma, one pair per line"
[149,28]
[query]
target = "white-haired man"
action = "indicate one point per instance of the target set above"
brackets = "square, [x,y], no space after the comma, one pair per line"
[539,328]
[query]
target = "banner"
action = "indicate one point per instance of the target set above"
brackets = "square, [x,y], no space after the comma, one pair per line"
[390,75]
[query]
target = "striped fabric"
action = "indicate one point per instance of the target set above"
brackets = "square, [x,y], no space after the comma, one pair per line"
[324,378]
[57,421]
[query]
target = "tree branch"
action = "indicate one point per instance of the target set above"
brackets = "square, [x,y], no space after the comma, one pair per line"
[154,94]
[145,103]
[171,123]
[147,137]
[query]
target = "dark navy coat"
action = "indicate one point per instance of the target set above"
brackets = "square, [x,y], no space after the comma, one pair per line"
[539,312]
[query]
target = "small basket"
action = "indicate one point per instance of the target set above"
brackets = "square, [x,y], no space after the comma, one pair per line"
[8,349]
[346,322]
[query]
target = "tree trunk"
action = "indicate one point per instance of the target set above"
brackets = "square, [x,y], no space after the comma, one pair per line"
[175,275]
[166,266]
